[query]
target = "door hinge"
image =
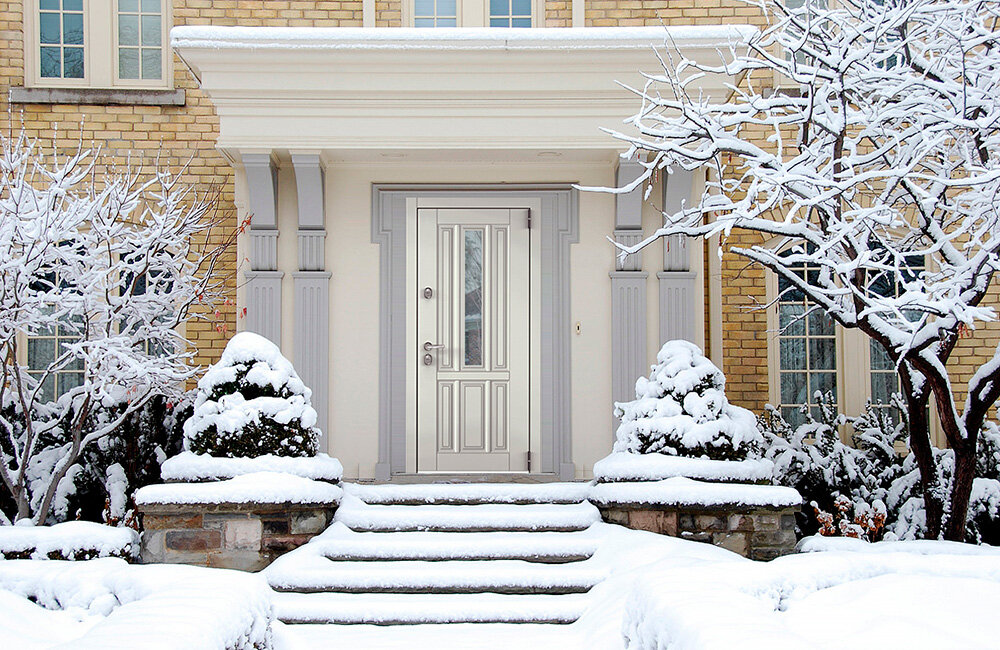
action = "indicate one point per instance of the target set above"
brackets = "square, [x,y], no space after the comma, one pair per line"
[528,454]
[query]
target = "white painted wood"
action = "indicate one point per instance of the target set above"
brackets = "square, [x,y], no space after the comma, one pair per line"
[472,406]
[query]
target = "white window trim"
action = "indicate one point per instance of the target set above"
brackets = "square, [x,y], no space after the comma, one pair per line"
[100,57]
[476,13]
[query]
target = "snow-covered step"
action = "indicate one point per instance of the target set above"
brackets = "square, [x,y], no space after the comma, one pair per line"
[470,493]
[530,547]
[318,574]
[470,518]
[412,609]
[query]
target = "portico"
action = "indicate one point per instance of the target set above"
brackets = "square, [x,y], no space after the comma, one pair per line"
[349,144]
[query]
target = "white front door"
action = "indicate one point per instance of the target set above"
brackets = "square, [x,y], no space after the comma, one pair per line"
[473,330]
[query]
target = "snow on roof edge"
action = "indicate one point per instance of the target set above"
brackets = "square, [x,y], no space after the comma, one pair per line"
[394,38]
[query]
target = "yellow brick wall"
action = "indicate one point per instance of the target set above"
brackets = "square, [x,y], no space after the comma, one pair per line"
[559,13]
[174,135]
[635,13]
[388,13]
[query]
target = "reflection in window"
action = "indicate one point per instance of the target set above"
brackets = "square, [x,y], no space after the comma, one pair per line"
[807,350]
[510,13]
[473,297]
[140,39]
[435,13]
[60,36]
[44,347]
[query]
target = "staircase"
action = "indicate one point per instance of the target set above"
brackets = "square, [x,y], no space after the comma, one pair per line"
[452,553]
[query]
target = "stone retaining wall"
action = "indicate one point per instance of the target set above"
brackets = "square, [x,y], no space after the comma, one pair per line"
[756,533]
[245,536]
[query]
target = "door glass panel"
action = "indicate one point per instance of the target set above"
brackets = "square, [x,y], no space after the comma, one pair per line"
[473,297]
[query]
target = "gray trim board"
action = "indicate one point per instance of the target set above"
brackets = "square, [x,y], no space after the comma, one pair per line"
[558,227]
[97,96]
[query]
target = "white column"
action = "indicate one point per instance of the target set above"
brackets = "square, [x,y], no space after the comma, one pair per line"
[263,280]
[312,287]
[628,293]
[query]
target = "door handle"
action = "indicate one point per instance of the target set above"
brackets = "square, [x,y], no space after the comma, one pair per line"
[428,346]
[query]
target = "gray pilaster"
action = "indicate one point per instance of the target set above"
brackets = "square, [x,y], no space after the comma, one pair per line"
[263,292]
[311,287]
[628,332]
[628,292]
[312,339]
[677,300]
[263,280]
[677,281]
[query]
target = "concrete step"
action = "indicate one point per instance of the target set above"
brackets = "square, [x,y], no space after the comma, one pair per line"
[415,609]
[319,574]
[470,493]
[470,518]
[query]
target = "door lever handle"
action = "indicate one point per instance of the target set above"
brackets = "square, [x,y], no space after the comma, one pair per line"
[428,346]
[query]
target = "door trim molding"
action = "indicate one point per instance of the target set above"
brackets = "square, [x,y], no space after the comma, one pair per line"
[557,226]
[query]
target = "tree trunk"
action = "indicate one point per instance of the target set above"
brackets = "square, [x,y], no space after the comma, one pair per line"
[961,489]
[923,452]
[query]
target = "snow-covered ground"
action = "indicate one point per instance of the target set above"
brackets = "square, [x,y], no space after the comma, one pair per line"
[651,592]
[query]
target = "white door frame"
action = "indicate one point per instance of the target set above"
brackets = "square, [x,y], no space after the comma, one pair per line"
[555,230]
[413,352]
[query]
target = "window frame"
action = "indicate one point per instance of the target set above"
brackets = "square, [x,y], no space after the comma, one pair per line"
[475,13]
[100,50]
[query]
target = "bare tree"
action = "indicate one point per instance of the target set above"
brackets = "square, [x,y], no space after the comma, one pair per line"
[106,267]
[876,161]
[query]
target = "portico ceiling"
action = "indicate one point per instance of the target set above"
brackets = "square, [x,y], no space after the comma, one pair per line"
[407,89]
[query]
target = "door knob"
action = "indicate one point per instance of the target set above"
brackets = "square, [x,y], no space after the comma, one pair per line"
[428,346]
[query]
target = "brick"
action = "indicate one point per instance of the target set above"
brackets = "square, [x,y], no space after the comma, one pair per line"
[154,522]
[655,521]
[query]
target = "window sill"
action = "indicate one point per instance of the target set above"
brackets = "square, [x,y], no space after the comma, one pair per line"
[97,96]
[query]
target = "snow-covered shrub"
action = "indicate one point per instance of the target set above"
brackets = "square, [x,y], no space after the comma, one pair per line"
[871,488]
[100,486]
[681,410]
[251,403]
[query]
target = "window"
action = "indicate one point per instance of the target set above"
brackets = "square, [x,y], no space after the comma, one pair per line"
[510,13]
[97,43]
[140,39]
[44,348]
[807,350]
[473,13]
[60,34]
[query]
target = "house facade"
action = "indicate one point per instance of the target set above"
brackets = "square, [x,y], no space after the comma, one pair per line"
[418,242]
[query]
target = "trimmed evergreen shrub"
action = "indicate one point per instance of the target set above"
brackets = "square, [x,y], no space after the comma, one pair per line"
[681,410]
[251,403]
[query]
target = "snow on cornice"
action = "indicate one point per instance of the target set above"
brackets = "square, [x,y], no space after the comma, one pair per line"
[489,38]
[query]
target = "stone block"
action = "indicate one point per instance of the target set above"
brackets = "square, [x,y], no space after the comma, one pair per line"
[278,544]
[152,545]
[242,534]
[685,521]
[766,521]
[655,521]
[766,553]
[310,521]
[696,536]
[238,560]
[779,538]
[735,542]
[193,540]
[275,526]
[218,521]
[787,522]
[160,522]
[709,523]
[740,522]
[615,516]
